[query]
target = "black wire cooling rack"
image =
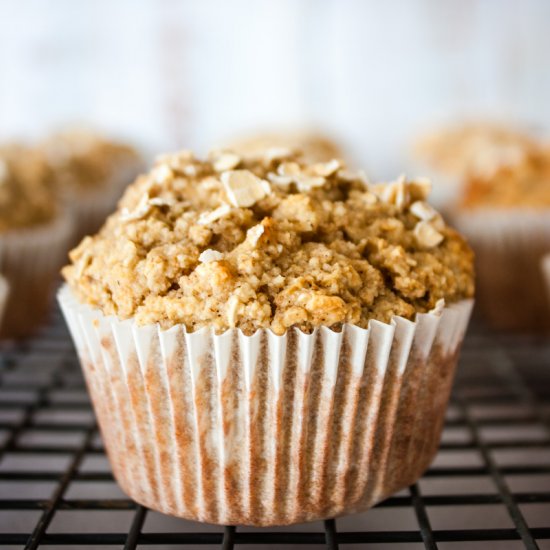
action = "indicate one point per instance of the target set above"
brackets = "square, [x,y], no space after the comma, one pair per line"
[489,486]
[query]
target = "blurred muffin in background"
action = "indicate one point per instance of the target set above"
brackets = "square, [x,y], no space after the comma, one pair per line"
[91,173]
[451,155]
[27,194]
[35,232]
[526,184]
[506,217]
[314,146]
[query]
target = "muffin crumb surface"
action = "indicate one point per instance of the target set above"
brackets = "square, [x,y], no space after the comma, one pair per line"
[269,242]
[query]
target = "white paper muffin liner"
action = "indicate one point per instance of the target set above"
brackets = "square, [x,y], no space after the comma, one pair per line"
[91,208]
[4,287]
[509,246]
[30,260]
[266,429]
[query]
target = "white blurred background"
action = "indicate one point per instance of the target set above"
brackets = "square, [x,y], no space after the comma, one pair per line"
[183,73]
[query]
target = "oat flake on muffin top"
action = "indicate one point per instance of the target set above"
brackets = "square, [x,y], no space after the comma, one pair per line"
[27,196]
[271,243]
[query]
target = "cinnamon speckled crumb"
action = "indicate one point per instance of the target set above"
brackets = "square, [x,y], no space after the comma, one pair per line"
[271,242]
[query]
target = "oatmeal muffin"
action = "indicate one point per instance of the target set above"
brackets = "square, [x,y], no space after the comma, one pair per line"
[268,340]
[506,217]
[314,146]
[91,173]
[456,153]
[34,231]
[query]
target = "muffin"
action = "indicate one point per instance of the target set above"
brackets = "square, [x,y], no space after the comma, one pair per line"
[506,217]
[91,173]
[479,149]
[34,237]
[313,146]
[268,341]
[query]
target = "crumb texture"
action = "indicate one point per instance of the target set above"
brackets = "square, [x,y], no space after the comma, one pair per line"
[271,242]
[27,196]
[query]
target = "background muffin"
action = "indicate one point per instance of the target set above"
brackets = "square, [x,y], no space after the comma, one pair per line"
[506,217]
[34,236]
[477,149]
[268,341]
[314,146]
[91,172]
[27,194]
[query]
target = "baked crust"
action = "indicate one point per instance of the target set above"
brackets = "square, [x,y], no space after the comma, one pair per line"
[273,242]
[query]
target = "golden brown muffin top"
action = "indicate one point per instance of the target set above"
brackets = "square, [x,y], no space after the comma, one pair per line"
[477,149]
[525,185]
[27,194]
[272,243]
[83,160]
[313,146]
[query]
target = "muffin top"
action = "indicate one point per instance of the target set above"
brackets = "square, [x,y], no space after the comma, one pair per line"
[83,160]
[524,185]
[313,146]
[274,243]
[477,149]
[27,195]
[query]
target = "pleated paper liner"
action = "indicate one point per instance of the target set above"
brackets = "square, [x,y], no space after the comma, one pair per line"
[91,208]
[509,246]
[265,429]
[30,260]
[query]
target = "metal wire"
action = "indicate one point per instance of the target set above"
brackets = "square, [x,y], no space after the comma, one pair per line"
[135,529]
[495,371]
[422,517]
